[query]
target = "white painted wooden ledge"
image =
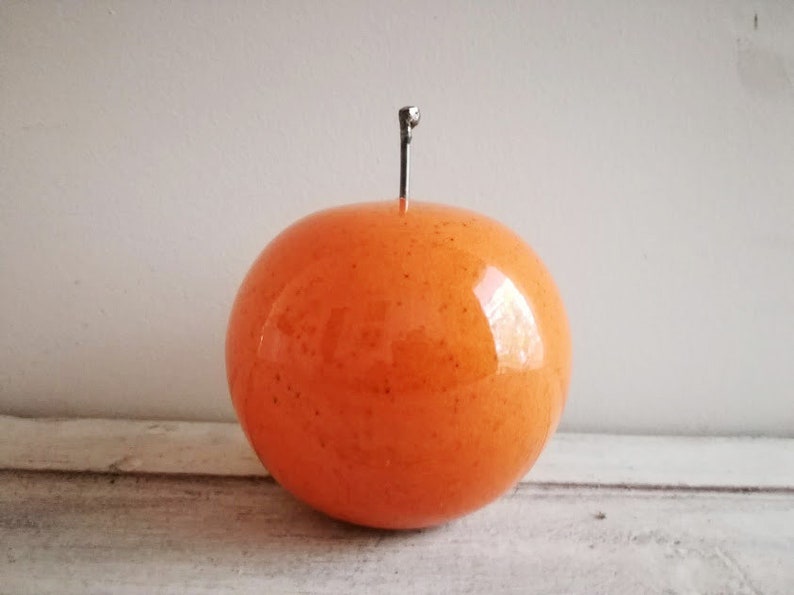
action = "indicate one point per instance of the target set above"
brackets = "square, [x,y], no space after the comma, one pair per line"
[220,449]
[103,506]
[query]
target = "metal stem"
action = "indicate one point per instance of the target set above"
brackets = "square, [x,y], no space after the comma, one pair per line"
[409,119]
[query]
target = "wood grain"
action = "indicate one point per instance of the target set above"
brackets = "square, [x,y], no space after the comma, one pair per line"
[92,533]
[198,448]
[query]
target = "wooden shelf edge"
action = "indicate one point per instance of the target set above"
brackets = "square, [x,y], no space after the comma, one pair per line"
[220,449]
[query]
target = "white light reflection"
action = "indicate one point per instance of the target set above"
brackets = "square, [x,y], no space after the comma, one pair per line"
[515,332]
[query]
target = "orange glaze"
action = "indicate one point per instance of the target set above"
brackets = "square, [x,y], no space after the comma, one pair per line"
[398,370]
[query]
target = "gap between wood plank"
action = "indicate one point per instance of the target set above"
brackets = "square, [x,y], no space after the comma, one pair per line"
[220,449]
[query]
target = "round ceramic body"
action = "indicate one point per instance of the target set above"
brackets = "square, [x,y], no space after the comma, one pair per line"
[398,369]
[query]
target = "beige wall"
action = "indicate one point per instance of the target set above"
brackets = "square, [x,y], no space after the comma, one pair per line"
[148,150]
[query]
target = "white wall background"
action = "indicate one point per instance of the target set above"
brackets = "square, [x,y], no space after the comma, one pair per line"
[149,150]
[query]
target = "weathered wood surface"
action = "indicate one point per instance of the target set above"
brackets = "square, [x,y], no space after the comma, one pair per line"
[119,506]
[121,446]
[92,533]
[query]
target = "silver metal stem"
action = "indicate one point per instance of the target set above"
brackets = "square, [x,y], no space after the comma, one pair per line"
[409,119]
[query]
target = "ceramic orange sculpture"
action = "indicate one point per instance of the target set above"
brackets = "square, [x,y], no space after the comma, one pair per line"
[398,365]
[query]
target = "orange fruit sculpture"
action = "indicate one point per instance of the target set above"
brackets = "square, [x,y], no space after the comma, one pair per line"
[398,367]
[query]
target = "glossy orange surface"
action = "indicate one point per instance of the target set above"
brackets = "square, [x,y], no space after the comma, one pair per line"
[398,369]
